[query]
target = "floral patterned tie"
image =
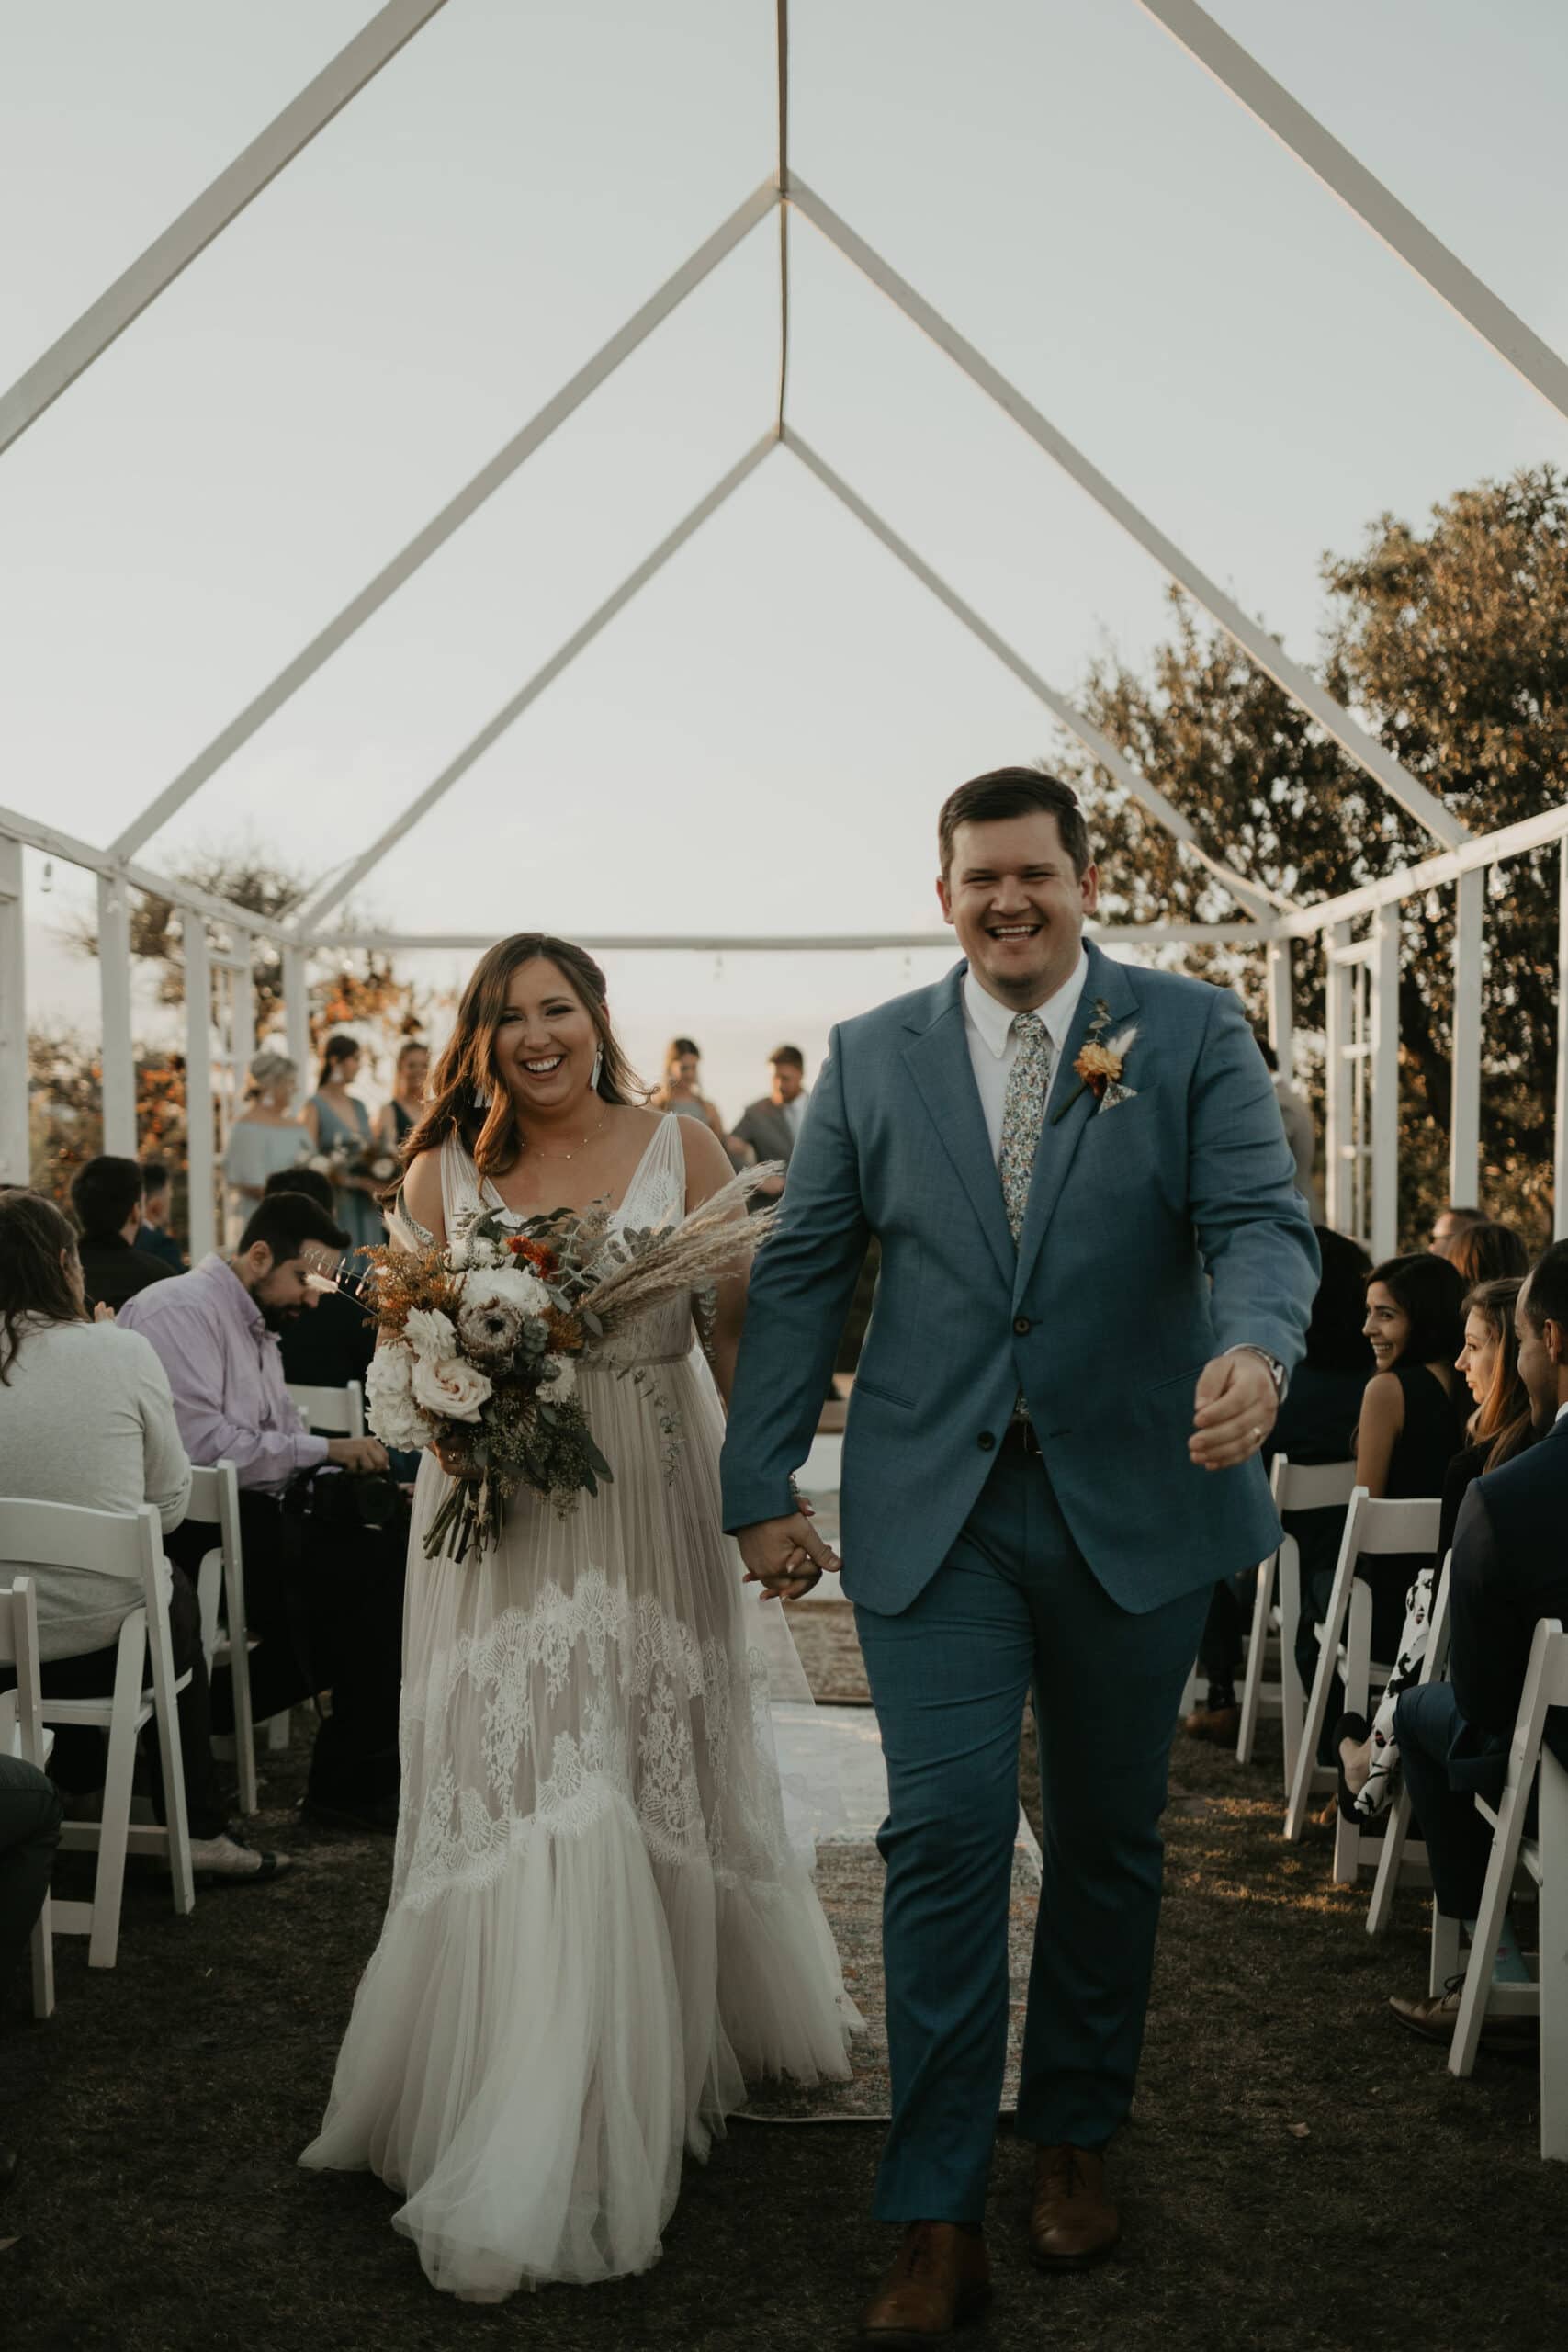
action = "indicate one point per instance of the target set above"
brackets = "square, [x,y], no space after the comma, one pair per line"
[1023,1114]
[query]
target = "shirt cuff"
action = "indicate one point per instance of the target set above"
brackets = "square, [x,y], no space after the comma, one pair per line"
[310,1451]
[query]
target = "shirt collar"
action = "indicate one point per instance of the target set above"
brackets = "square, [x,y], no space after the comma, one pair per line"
[237,1298]
[993,1021]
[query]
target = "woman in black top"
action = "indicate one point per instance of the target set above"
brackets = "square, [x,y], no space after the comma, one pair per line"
[1408,1432]
[401,1116]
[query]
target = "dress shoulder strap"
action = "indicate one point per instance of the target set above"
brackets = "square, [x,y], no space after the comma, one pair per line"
[461,1198]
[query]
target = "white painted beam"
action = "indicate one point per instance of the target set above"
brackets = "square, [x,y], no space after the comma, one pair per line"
[1560,1155]
[441,527]
[70,851]
[1468,964]
[1255,640]
[1279,982]
[1431,873]
[332,893]
[1469,297]
[221,201]
[781,32]
[1099,745]
[1338,981]
[200,1159]
[297,1016]
[1385,1085]
[15,1143]
[1107,935]
[118,1056]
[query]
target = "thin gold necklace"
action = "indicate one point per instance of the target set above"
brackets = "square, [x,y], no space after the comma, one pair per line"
[575,1148]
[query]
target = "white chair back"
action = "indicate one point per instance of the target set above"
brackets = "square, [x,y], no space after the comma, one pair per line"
[22,1735]
[68,1535]
[338,1411]
[1374,1529]
[1311,1486]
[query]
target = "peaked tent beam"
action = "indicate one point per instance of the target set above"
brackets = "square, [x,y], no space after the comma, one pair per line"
[441,527]
[1099,746]
[1469,297]
[221,201]
[1254,640]
[333,892]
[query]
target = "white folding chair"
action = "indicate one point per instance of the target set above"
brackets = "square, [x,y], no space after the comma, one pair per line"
[215,1495]
[128,1545]
[1545,1858]
[336,1412]
[1396,1867]
[22,1735]
[1276,1609]
[1373,1529]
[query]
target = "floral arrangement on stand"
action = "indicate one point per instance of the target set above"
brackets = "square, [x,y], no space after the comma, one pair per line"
[480,1344]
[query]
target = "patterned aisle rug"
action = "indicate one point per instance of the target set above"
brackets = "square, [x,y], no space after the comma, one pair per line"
[830,1650]
[849,1880]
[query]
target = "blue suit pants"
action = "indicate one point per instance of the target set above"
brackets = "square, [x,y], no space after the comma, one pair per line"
[1016,1606]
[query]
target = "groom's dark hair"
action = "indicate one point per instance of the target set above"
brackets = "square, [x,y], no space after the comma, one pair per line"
[1013,792]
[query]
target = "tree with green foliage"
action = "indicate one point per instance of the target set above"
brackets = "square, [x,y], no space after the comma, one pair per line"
[1452,645]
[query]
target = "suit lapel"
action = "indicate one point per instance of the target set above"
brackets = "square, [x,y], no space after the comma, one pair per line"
[1109,984]
[938,1060]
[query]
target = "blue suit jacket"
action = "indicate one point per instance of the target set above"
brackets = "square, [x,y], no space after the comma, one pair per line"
[1158,1232]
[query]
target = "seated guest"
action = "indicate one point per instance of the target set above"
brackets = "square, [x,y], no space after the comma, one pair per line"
[1500,1427]
[332,1344]
[1486,1252]
[324,1600]
[86,1417]
[1510,1568]
[152,1233]
[1408,1434]
[107,1197]
[1320,1408]
[1450,1223]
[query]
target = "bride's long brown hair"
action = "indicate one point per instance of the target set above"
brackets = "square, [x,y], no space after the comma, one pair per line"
[466,1070]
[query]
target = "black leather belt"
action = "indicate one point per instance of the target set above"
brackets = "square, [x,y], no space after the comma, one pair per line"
[1023,1438]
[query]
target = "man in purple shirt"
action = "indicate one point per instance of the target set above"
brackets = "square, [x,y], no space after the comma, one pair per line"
[324,1602]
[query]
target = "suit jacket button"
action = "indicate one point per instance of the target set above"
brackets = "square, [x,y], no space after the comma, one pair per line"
[985,1442]
[1023,1326]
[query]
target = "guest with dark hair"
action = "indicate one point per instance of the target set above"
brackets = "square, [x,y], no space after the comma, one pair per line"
[86,1417]
[1510,1569]
[107,1197]
[323,1592]
[1409,1431]
[1500,1427]
[1488,1253]
[682,1093]
[1450,1223]
[402,1113]
[152,1233]
[770,1126]
[1319,1411]
[339,1126]
[335,1344]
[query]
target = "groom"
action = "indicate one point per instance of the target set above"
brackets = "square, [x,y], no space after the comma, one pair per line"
[1095,1277]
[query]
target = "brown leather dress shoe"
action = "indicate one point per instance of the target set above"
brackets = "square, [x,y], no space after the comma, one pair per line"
[1218,1724]
[940,2280]
[1072,2222]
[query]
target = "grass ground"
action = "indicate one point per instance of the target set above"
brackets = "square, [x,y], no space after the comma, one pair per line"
[1301,2173]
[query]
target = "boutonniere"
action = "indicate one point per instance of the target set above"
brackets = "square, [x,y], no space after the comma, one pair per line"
[1100,1065]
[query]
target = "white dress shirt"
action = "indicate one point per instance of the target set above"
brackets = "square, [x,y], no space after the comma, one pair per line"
[993,1040]
[795,1114]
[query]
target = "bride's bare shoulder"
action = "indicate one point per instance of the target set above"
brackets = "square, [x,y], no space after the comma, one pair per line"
[421,1191]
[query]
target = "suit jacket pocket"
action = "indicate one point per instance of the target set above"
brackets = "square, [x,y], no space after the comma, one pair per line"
[881,1396]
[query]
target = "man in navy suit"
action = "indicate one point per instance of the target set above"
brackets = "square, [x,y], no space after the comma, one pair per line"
[1509,1570]
[1096,1275]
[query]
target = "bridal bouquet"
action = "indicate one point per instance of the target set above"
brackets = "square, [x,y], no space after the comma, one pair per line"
[480,1345]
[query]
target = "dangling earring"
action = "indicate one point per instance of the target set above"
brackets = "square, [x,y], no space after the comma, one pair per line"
[598,1065]
[481,1100]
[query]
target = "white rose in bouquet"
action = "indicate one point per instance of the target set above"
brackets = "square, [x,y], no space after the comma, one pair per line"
[449,1386]
[514,1284]
[395,1418]
[431,1333]
[560,1378]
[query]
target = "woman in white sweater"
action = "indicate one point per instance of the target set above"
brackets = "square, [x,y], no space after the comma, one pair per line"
[86,1417]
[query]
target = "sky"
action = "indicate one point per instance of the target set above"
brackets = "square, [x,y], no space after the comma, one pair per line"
[761,741]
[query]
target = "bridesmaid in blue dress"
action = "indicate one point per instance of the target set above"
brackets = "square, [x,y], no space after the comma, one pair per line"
[337,1118]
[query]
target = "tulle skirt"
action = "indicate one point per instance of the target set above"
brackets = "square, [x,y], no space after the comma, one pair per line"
[601,1926]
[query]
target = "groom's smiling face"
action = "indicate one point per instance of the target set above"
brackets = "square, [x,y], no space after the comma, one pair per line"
[1012,894]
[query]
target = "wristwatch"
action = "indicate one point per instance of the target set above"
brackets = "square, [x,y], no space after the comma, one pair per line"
[1277,1372]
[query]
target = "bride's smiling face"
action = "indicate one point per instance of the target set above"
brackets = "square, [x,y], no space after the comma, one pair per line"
[545,1040]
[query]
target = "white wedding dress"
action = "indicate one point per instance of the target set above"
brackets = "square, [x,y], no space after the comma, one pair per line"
[600,1929]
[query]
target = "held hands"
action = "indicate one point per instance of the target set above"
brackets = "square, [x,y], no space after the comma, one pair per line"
[1236,1409]
[785,1556]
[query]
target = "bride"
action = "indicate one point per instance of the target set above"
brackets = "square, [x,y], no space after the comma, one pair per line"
[599,1929]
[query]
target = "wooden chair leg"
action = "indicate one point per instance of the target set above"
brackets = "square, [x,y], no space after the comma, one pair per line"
[1293,1698]
[1553,1830]
[1444,1954]
[109,1884]
[1489,1928]
[1348,1839]
[1329,1634]
[1256,1650]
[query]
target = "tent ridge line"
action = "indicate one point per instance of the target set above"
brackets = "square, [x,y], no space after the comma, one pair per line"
[481,486]
[1255,640]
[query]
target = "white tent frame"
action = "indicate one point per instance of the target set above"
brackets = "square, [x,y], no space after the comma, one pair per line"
[1363,974]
